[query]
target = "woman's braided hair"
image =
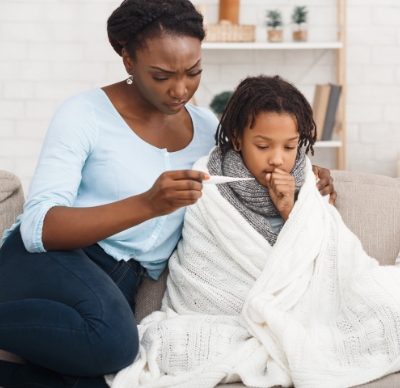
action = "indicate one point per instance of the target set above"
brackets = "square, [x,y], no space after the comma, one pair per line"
[265,94]
[135,21]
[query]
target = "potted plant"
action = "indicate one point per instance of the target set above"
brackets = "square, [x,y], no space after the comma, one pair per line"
[219,103]
[299,19]
[273,21]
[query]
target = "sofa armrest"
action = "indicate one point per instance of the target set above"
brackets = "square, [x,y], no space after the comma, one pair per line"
[11,200]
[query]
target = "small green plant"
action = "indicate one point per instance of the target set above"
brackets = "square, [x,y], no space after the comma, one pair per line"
[274,18]
[299,15]
[220,101]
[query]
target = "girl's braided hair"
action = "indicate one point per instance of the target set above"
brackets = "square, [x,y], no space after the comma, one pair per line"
[135,21]
[265,94]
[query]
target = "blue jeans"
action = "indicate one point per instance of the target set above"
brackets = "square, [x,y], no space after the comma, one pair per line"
[70,313]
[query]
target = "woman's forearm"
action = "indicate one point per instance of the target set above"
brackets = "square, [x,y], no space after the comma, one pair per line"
[67,228]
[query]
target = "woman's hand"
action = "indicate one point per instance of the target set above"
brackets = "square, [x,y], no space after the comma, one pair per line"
[325,184]
[175,189]
[281,186]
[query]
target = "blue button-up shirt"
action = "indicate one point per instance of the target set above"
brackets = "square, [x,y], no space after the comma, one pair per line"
[91,157]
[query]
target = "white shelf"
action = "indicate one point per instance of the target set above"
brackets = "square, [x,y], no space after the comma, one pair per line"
[271,46]
[328,144]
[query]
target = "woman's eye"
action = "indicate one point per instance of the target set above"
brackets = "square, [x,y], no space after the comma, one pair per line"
[194,74]
[159,79]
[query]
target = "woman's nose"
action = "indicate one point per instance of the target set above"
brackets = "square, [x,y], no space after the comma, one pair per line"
[178,90]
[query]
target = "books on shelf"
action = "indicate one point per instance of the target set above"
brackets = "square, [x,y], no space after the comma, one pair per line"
[325,105]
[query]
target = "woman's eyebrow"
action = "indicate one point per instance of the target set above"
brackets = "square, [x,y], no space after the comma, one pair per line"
[172,72]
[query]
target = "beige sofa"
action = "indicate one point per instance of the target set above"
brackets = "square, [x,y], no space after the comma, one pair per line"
[369,205]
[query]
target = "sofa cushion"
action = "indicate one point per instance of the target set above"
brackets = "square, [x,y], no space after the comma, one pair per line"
[149,296]
[11,200]
[391,381]
[369,206]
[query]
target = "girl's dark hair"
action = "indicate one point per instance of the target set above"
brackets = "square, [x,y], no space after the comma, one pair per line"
[265,94]
[135,21]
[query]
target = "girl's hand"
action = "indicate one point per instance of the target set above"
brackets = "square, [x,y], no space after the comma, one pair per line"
[281,187]
[173,190]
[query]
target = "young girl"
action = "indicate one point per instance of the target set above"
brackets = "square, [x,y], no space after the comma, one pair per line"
[262,134]
[267,285]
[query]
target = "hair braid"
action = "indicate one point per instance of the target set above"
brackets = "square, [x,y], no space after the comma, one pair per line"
[135,21]
[265,94]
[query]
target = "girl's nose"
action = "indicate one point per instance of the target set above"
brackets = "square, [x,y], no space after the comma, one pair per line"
[275,160]
[178,90]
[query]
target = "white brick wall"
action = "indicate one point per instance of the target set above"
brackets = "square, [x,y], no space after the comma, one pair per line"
[51,49]
[374,86]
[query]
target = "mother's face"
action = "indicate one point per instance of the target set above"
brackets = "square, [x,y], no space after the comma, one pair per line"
[167,71]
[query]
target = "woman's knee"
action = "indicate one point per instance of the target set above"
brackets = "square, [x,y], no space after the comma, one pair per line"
[116,348]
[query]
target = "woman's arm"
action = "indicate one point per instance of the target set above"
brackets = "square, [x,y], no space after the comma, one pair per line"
[67,228]
[50,220]
[325,184]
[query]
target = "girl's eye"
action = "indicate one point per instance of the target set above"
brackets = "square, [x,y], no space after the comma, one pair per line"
[195,74]
[262,147]
[159,79]
[290,148]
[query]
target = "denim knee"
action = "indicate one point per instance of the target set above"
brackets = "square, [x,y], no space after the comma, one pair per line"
[115,348]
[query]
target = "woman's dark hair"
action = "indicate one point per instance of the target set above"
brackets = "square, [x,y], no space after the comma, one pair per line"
[265,94]
[135,21]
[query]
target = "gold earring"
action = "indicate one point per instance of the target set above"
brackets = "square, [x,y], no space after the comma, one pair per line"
[129,80]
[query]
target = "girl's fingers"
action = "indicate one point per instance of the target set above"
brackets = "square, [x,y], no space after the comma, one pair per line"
[283,190]
[282,180]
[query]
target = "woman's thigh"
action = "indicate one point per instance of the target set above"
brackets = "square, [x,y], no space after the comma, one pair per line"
[127,275]
[62,311]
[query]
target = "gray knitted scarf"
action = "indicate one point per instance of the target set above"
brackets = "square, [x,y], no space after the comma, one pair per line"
[251,198]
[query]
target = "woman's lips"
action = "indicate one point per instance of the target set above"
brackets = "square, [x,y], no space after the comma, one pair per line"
[176,106]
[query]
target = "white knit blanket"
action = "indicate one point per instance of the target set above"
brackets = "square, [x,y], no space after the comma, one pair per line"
[314,310]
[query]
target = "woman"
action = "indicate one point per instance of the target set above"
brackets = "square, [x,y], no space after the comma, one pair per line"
[106,204]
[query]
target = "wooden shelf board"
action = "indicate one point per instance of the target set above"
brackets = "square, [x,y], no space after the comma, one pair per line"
[328,144]
[270,46]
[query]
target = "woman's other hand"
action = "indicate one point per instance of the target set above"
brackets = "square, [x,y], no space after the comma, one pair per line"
[281,186]
[175,189]
[325,184]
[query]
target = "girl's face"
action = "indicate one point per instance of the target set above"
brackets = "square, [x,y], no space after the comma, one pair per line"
[271,143]
[166,73]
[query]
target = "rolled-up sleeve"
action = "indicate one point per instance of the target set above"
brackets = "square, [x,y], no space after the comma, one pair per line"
[70,139]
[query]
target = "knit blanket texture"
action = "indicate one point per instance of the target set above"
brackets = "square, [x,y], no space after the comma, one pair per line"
[251,198]
[313,310]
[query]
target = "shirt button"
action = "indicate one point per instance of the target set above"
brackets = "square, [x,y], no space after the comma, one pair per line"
[166,154]
[153,237]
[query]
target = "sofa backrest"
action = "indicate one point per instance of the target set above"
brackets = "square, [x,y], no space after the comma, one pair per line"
[370,207]
[11,200]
